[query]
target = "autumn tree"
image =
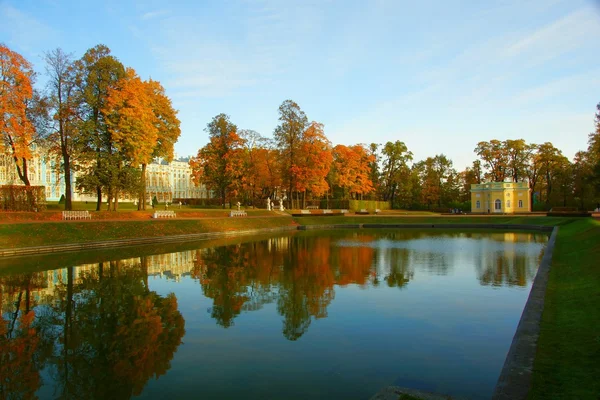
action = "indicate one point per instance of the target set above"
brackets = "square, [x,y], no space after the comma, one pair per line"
[256,181]
[550,160]
[16,75]
[64,105]
[289,135]
[168,130]
[439,181]
[495,159]
[219,164]
[95,73]
[517,154]
[594,152]
[374,172]
[142,125]
[582,172]
[352,167]
[313,163]
[395,170]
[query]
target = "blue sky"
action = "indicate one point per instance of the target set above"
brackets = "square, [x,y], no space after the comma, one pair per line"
[438,75]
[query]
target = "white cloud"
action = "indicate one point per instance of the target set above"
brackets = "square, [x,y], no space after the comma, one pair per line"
[154,14]
[573,84]
[568,33]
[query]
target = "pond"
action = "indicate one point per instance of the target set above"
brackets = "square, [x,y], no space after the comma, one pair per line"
[334,314]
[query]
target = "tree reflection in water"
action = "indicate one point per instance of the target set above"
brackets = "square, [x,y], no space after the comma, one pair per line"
[104,334]
[98,331]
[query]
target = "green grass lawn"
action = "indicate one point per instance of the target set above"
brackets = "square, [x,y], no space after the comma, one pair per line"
[48,233]
[567,363]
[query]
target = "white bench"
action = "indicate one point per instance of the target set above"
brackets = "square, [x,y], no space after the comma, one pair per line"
[164,214]
[344,211]
[377,211]
[312,207]
[70,215]
[327,212]
[305,211]
[237,213]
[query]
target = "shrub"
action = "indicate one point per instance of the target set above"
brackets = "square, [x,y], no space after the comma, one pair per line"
[22,198]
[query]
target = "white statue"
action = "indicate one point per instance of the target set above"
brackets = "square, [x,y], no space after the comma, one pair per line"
[281,205]
[268,203]
[238,204]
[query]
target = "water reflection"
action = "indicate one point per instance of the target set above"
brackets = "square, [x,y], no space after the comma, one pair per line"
[96,332]
[99,331]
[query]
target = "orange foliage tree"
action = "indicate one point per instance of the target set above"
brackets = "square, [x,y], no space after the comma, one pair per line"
[259,164]
[219,164]
[141,122]
[352,170]
[16,75]
[314,162]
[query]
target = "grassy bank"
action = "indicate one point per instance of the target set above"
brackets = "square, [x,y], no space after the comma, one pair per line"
[48,233]
[567,363]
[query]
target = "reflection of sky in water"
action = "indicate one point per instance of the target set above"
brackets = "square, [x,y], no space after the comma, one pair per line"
[337,314]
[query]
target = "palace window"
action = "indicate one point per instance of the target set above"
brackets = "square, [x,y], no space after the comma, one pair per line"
[507,203]
[478,204]
[520,203]
[498,204]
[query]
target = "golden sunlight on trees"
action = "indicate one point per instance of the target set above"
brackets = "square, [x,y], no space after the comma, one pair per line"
[141,123]
[351,170]
[16,76]
[219,164]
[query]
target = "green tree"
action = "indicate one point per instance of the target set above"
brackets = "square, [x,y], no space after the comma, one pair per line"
[95,73]
[518,154]
[395,170]
[64,105]
[289,136]
[495,159]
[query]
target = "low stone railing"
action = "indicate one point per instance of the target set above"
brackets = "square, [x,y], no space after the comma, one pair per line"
[237,213]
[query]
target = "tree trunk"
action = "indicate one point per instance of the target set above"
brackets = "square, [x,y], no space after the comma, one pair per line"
[68,189]
[142,198]
[99,200]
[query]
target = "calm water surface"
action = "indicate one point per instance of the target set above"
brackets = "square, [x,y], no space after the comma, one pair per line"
[333,314]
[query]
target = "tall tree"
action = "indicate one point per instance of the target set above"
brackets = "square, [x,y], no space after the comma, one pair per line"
[168,130]
[289,135]
[352,167]
[495,158]
[395,169]
[16,75]
[219,164]
[582,170]
[64,104]
[518,154]
[255,179]
[313,163]
[532,170]
[551,160]
[96,72]
[132,125]
[594,152]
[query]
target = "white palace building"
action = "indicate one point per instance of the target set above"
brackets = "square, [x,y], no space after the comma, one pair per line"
[166,181]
